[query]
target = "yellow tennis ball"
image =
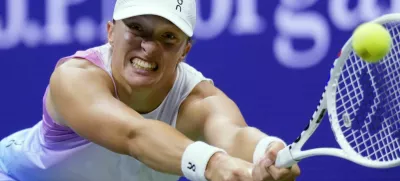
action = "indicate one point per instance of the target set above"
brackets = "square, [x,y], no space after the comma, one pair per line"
[371,42]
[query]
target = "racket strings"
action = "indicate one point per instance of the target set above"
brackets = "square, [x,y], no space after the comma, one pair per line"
[369,96]
[393,144]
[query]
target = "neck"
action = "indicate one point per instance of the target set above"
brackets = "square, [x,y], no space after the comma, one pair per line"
[144,100]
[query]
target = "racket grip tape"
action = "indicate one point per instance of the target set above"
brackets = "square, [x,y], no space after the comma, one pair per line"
[284,158]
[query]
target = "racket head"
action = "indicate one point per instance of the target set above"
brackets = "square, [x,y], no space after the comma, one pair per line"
[363,102]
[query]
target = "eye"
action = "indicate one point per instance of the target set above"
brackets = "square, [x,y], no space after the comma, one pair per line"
[169,36]
[135,27]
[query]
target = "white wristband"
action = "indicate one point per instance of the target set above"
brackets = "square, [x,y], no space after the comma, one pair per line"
[262,146]
[195,160]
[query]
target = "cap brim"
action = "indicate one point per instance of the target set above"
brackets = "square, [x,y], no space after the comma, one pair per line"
[143,10]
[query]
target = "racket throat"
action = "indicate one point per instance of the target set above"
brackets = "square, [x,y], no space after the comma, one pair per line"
[284,158]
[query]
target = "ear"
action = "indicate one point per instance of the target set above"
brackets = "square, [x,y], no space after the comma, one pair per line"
[188,47]
[110,32]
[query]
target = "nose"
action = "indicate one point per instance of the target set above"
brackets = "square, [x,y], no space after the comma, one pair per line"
[149,47]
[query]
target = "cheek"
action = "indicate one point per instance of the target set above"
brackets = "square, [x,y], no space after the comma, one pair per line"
[128,37]
[173,60]
[174,52]
[125,40]
[117,61]
[123,44]
[132,41]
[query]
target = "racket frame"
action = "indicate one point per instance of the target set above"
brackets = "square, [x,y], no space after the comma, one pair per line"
[292,153]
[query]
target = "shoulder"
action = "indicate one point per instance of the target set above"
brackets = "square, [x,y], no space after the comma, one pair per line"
[193,110]
[203,95]
[71,79]
[191,73]
[91,56]
[79,63]
[77,69]
[73,65]
[203,90]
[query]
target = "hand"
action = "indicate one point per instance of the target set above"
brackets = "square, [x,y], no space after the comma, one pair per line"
[223,167]
[265,170]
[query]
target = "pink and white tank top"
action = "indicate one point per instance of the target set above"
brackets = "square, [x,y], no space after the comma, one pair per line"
[49,151]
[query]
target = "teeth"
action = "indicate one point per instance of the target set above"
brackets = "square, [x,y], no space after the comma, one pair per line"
[138,63]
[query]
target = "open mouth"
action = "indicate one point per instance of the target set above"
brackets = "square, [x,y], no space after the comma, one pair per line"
[143,65]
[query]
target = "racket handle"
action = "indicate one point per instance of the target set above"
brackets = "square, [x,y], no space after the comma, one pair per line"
[284,158]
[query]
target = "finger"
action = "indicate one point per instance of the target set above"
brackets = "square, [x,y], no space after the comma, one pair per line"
[257,172]
[266,162]
[279,173]
[263,165]
[290,179]
[272,152]
[295,170]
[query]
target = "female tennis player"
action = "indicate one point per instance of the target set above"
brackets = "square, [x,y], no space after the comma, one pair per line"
[132,109]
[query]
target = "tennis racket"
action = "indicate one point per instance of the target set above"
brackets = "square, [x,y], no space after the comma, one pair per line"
[362,101]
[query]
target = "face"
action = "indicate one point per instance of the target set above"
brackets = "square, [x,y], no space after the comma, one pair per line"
[146,51]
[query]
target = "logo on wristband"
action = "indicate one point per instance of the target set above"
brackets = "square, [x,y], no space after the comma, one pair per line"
[192,166]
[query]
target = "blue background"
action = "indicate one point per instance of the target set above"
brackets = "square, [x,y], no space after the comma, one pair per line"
[275,94]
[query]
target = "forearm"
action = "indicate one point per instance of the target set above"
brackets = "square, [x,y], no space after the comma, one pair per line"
[159,146]
[239,140]
[244,143]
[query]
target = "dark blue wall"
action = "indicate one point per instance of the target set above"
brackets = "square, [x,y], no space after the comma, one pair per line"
[272,57]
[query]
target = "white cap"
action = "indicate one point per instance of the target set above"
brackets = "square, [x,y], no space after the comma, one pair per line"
[182,13]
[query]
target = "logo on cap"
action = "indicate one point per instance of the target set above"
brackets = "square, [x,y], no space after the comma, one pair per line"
[179,5]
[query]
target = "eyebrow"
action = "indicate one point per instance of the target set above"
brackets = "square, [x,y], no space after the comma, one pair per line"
[190,39]
[168,24]
[138,19]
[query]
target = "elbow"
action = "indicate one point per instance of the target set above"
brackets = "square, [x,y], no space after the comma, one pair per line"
[136,138]
[132,148]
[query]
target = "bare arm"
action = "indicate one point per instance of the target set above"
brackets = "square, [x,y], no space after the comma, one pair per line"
[225,127]
[221,122]
[82,95]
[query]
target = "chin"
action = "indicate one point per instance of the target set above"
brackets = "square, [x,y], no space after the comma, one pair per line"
[141,82]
